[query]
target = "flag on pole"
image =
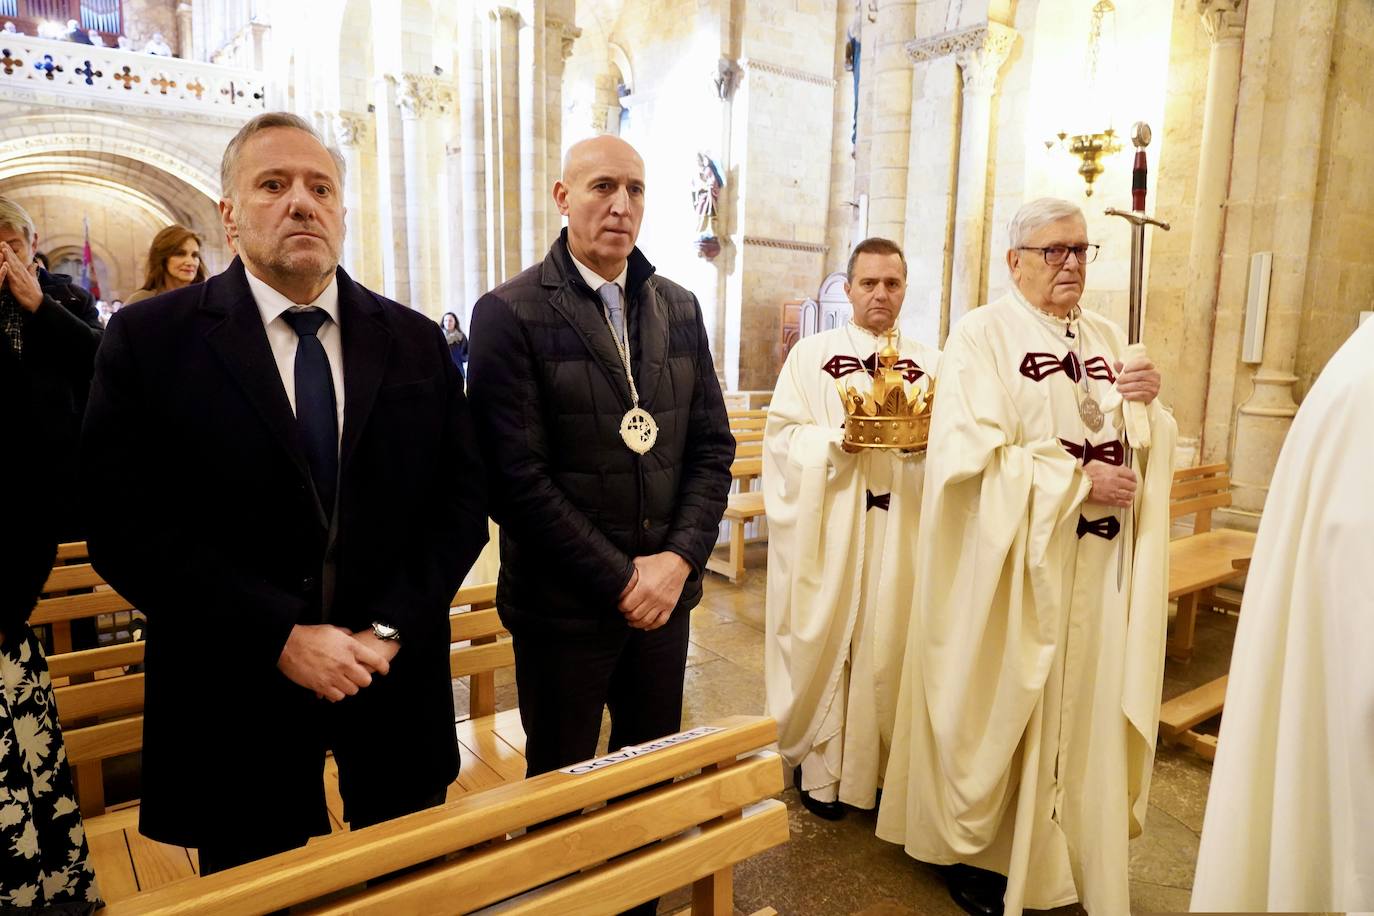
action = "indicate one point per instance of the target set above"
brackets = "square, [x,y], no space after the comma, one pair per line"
[89,282]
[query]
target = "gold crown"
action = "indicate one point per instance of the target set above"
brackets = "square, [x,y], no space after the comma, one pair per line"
[889,416]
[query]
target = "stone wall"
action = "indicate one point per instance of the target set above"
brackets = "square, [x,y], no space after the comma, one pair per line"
[1173,193]
[1340,277]
[785,130]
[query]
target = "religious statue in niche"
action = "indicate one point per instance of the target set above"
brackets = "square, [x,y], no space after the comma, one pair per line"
[706,198]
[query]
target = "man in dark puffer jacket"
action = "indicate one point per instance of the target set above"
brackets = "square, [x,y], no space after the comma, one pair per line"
[602,548]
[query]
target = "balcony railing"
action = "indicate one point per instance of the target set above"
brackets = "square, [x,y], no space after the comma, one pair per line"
[127,78]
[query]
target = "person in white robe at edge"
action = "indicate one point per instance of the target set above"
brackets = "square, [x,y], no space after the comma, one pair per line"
[1291,804]
[841,538]
[1026,723]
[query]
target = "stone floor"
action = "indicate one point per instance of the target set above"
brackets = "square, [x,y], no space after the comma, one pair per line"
[842,868]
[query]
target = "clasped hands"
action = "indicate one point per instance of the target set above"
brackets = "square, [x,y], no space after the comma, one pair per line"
[654,589]
[333,662]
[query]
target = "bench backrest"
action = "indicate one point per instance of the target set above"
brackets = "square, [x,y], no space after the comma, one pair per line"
[604,861]
[480,646]
[74,592]
[1197,491]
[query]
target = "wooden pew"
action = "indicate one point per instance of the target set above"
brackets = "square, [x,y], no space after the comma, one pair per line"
[740,510]
[481,646]
[71,552]
[746,505]
[467,857]
[1197,564]
[103,718]
[1204,559]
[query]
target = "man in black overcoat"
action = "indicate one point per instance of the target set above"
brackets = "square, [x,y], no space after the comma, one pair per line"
[293,497]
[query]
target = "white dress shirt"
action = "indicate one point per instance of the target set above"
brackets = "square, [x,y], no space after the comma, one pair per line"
[596,281]
[283,340]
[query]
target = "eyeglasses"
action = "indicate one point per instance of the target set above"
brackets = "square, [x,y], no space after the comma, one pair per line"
[1056,255]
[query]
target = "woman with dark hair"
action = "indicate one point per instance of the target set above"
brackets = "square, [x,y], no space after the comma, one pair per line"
[457,341]
[173,262]
[47,861]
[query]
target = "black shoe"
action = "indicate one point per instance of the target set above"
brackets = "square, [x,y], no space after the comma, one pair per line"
[830,811]
[977,891]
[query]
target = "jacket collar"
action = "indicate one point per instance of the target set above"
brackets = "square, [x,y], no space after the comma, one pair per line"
[238,338]
[646,317]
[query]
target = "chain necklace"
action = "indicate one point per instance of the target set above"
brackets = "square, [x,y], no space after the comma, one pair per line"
[638,429]
[1089,410]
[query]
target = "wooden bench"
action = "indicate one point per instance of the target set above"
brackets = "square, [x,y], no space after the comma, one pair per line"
[630,849]
[102,718]
[747,428]
[740,510]
[1204,559]
[1198,563]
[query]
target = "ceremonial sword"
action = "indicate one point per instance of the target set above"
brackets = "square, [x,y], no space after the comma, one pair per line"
[1136,420]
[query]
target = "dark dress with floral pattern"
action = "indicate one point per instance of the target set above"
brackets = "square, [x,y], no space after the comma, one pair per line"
[44,860]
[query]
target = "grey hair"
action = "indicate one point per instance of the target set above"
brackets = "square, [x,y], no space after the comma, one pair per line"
[229,164]
[1039,213]
[16,217]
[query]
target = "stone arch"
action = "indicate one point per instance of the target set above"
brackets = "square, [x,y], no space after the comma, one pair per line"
[129,178]
[37,134]
[622,63]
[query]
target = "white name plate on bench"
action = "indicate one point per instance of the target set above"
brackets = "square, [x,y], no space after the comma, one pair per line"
[638,750]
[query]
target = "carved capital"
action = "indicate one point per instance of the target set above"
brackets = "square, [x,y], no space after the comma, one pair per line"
[566,32]
[726,77]
[420,95]
[1224,20]
[993,40]
[981,62]
[506,14]
[350,128]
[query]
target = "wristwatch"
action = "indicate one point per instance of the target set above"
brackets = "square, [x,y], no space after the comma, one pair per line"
[385,632]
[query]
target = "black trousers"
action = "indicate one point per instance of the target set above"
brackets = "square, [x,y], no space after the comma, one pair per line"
[367,800]
[564,682]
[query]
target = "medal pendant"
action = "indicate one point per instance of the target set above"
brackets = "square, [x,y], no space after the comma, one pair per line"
[1090,411]
[640,432]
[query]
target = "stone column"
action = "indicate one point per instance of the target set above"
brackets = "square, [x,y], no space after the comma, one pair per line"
[416,102]
[185,38]
[1268,412]
[473,159]
[352,131]
[891,119]
[980,64]
[559,36]
[504,139]
[533,123]
[1224,21]
[390,191]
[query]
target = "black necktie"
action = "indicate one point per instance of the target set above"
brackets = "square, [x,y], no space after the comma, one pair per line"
[316,411]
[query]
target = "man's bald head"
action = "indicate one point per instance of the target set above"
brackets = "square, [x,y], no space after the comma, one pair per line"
[584,151]
[602,195]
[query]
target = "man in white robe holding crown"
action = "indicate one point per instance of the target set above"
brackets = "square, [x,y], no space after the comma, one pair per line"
[841,545]
[1026,725]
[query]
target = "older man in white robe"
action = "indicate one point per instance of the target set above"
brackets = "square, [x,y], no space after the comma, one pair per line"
[1292,797]
[1026,725]
[841,547]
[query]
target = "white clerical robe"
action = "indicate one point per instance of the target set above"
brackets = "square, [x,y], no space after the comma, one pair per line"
[1026,724]
[1291,805]
[841,547]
